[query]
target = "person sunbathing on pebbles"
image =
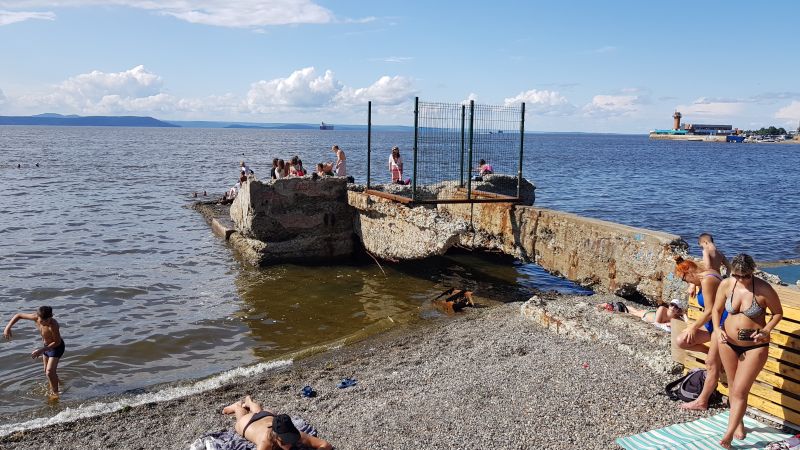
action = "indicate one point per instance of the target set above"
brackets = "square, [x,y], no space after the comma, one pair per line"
[269,430]
[660,316]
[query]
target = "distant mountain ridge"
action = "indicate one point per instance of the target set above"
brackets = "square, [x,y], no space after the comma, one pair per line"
[52,119]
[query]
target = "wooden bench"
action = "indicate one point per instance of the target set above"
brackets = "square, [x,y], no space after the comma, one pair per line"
[776,390]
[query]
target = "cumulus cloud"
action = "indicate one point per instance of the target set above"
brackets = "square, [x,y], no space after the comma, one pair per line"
[790,112]
[141,92]
[96,91]
[9,17]
[303,88]
[613,105]
[238,14]
[705,107]
[542,102]
[387,91]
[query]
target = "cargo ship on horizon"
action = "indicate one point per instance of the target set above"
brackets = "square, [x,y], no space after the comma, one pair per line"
[325,126]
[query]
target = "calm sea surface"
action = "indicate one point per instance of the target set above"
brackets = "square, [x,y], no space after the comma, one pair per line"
[146,294]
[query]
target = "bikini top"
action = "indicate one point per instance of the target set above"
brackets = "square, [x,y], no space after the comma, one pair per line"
[755,310]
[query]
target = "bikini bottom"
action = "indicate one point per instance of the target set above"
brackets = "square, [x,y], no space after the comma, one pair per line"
[741,349]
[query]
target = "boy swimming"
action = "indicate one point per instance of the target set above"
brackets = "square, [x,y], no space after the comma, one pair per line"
[53,348]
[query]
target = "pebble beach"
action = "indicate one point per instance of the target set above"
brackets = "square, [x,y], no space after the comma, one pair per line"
[486,378]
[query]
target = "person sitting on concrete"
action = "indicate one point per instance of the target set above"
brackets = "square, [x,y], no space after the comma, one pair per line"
[280,170]
[325,169]
[274,166]
[483,170]
[269,430]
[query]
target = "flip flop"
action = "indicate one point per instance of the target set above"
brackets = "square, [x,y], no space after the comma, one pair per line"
[308,392]
[346,383]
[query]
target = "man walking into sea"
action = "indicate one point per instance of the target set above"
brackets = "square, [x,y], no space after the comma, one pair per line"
[53,348]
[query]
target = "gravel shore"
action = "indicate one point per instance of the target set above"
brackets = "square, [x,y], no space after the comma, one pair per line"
[488,378]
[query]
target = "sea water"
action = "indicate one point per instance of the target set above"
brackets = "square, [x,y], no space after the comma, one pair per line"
[146,294]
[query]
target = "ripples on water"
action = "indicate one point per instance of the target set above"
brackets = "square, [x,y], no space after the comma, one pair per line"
[146,294]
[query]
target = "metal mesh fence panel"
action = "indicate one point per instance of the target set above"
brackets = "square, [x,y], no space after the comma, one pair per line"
[442,163]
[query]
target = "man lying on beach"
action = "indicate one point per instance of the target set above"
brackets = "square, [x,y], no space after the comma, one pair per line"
[53,348]
[269,430]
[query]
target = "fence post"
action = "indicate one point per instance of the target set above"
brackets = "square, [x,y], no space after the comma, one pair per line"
[416,137]
[463,112]
[369,141]
[521,147]
[469,149]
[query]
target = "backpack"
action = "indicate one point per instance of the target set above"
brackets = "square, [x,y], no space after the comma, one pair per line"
[688,387]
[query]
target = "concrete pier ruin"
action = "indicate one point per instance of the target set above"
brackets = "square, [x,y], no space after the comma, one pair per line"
[315,220]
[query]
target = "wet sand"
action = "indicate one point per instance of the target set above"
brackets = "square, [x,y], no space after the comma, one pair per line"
[489,378]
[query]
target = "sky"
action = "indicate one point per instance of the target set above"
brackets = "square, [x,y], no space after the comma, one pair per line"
[614,66]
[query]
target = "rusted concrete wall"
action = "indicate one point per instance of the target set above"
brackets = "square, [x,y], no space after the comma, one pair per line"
[608,257]
[294,219]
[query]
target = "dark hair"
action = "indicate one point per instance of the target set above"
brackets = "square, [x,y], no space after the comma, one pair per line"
[283,427]
[482,162]
[45,312]
[274,162]
[707,236]
[743,263]
[294,160]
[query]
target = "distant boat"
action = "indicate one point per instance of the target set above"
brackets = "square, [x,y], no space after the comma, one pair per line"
[734,138]
[325,126]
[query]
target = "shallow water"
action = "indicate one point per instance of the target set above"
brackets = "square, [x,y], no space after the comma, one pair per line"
[146,294]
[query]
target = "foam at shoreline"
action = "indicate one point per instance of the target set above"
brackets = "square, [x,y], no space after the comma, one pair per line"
[170,393]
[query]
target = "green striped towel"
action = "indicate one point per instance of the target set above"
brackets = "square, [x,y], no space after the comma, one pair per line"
[702,434]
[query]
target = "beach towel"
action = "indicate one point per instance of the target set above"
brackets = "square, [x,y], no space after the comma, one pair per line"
[702,434]
[230,440]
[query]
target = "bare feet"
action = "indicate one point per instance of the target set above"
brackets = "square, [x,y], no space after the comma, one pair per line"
[740,432]
[725,442]
[695,405]
[54,396]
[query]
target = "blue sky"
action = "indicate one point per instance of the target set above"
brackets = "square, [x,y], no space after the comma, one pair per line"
[621,66]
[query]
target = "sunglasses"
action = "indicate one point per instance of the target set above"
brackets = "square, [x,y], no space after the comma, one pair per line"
[739,276]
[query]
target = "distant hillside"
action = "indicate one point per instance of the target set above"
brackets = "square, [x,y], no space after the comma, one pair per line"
[283,126]
[51,119]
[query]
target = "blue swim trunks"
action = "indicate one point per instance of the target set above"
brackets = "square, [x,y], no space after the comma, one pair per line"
[56,352]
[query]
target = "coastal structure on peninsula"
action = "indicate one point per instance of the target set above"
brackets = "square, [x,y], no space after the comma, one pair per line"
[697,132]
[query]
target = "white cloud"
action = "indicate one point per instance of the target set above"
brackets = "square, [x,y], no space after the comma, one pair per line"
[140,92]
[711,108]
[605,49]
[612,105]
[300,89]
[542,102]
[790,112]
[387,91]
[471,97]
[9,17]
[395,59]
[236,14]
[96,91]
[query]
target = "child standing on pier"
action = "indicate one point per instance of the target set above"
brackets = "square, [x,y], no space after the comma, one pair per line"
[53,348]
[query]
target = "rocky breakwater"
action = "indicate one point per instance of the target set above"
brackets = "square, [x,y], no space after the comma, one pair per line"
[294,219]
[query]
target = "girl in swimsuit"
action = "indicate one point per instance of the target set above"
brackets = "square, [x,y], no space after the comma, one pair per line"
[744,338]
[700,331]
